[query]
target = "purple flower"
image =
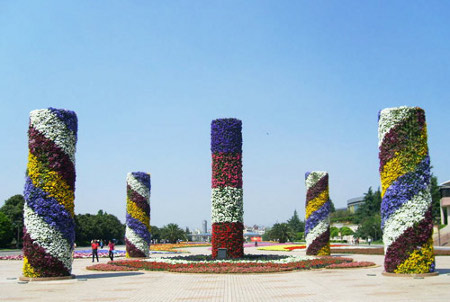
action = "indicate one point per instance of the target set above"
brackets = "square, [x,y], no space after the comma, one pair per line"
[226,135]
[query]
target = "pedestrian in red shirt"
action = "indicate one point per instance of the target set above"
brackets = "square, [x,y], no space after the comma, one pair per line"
[94,245]
[111,250]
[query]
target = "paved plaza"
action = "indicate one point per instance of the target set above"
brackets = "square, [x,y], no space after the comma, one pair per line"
[317,285]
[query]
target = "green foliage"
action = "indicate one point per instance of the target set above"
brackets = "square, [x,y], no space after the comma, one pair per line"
[266,235]
[370,227]
[101,226]
[172,232]
[299,236]
[13,209]
[332,207]
[6,230]
[334,232]
[342,216]
[295,223]
[155,232]
[281,232]
[436,200]
[346,231]
[371,206]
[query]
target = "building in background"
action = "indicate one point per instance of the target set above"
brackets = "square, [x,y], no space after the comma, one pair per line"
[354,203]
[444,188]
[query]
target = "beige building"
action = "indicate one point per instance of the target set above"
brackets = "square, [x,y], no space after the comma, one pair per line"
[444,188]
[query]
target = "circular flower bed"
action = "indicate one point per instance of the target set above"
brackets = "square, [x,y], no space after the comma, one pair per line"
[246,264]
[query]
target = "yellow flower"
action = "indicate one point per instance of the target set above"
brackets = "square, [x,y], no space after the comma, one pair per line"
[316,203]
[420,260]
[28,270]
[137,213]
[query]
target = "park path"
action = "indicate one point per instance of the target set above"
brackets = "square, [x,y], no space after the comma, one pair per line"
[320,285]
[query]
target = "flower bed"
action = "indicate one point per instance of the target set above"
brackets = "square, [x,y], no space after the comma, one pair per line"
[248,264]
[317,225]
[137,232]
[49,193]
[226,193]
[351,265]
[107,267]
[289,247]
[406,217]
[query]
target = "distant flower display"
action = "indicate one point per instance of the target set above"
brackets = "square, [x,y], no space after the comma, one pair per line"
[137,232]
[227,195]
[317,225]
[405,181]
[49,227]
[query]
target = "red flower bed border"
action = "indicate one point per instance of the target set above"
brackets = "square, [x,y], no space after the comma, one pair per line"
[212,267]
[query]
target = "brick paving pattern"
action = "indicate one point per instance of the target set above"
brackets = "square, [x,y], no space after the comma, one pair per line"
[318,285]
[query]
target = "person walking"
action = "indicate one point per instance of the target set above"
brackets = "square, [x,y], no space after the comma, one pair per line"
[94,245]
[111,250]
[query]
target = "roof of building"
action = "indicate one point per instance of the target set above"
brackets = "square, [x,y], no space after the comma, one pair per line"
[355,200]
[445,184]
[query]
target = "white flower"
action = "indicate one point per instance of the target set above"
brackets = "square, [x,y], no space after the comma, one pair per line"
[410,213]
[318,230]
[47,237]
[49,125]
[390,117]
[137,241]
[227,205]
[137,186]
[288,259]
[314,178]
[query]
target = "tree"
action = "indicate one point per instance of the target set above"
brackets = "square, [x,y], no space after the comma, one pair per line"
[371,205]
[332,207]
[13,209]
[155,232]
[345,231]
[334,232]
[436,200]
[101,226]
[281,232]
[370,227]
[6,230]
[295,223]
[172,232]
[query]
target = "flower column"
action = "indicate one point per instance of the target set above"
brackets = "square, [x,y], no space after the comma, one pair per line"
[49,227]
[317,226]
[406,217]
[137,232]
[227,195]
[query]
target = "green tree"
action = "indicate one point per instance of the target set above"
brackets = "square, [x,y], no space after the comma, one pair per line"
[370,227]
[436,200]
[281,232]
[334,232]
[13,209]
[172,232]
[155,232]
[6,230]
[332,207]
[371,205]
[345,231]
[101,226]
[295,223]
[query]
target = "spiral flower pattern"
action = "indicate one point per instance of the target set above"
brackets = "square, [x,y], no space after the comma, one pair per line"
[317,225]
[406,217]
[137,232]
[227,195]
[49,226]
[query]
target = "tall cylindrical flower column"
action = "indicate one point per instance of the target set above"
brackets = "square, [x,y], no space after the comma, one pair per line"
[406,217]
[227,194]
[137,232]
[49,227]
[317,226]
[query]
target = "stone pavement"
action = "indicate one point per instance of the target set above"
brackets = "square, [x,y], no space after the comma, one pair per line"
[318,285]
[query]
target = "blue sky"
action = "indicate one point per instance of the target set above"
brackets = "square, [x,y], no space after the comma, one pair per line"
[307,78]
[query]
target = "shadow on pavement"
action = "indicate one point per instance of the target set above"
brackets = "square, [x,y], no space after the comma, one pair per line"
[107,275]
[443,271]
